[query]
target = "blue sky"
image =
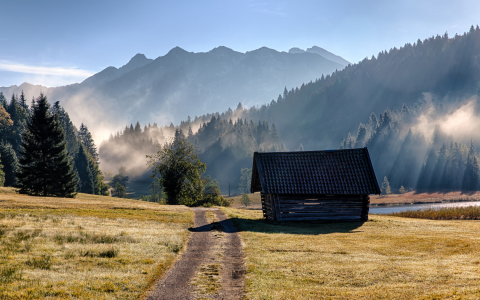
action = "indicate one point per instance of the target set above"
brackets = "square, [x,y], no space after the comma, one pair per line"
[60,42]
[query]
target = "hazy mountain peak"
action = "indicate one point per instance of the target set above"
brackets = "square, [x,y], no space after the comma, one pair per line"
[328,55]
[221,49]
[296,50]
[177,50]
[139,60]
[262,50]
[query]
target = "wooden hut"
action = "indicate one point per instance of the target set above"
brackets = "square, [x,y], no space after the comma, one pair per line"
[332,185]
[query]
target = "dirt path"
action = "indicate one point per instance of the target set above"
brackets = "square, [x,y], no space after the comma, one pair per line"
[214,245]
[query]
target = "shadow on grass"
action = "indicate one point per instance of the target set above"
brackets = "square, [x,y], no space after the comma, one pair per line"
[264,226]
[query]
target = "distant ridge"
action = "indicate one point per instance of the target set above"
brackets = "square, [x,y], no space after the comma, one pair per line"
[180,84]
[322,52]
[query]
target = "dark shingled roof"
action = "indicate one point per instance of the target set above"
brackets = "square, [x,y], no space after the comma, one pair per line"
[331,172]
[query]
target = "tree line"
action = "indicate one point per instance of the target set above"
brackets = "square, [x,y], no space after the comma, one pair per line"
[25,129]
[225,145]
[405,159]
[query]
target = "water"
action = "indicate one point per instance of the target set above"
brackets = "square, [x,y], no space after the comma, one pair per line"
[399,208]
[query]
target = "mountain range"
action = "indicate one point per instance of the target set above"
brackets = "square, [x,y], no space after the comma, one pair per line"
[181,83]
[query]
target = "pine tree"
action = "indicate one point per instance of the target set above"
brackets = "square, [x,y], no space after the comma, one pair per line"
[138,128]
[86,139]
[84,172]
[3,100]
[23,101]
[245,180]
[386,186]
[2,174]
[69,129]
[10,163]
[19,118]
[44,166]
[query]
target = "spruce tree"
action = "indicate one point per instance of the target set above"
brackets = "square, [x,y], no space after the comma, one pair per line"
[44,166]
[23,101]
[85,176]
[3,100]
[10,163]
[86,139]
[386,186]
[2,174]
[69,129]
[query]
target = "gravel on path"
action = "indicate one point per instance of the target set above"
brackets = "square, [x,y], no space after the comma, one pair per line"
[176,282]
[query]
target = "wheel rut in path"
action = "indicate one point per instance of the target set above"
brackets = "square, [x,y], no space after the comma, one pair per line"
[202,249]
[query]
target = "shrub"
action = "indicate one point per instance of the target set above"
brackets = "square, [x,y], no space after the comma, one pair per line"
[245,200]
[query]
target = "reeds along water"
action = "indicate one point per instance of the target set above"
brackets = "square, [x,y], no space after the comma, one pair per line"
[445,213]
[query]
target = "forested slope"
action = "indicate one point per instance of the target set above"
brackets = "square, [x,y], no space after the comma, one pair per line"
[441,73]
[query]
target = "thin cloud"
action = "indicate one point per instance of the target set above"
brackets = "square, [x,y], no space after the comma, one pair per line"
[266,8]
[56,71]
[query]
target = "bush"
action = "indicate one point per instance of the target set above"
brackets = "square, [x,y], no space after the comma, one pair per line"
[245,200]
[119,191]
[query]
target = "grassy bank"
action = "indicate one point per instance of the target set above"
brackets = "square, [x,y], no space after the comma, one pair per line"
[446,213]
[89,247]
[392,199]
[384,258]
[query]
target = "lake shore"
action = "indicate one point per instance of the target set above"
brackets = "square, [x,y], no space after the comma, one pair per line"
[383,200]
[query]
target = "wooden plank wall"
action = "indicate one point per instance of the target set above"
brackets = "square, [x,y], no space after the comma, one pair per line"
[322,208]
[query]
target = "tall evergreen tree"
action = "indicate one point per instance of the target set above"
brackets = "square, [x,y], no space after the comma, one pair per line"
[85,176]
[86,139]
[19,118]
[2,174]
[69,129]
[3,100]
[10,163]
[44,166]
[23,101]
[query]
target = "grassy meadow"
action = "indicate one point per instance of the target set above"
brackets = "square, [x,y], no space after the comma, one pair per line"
[385,258]
[88,247]
[255,201]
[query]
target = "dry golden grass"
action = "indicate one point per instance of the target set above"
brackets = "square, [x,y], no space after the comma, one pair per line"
[89,247]
[444,213]
[255,199]
[413,197]
[384,258]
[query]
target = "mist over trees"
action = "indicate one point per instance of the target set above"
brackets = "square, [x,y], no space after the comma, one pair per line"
[225,145]
[405,156]
[320,114]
